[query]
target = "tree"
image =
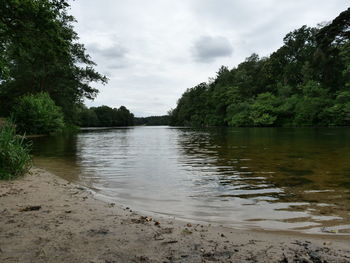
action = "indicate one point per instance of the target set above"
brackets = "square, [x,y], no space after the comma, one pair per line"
[105,116]
[37,114]
[153,120]
[87,117]
[304,83]
[264,110]
[39,52]
[331,41]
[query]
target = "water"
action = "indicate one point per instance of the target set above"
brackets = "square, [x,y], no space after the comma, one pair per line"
[261,178]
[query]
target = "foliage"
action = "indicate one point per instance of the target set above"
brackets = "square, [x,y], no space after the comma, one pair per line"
[14,153]
[105,116]
[40,52]
[152,120]
[87,117]
[264,110]
[306,82]
[238,114]
[37,114]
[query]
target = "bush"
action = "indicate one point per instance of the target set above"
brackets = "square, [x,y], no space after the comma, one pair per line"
[339,112]
[14,153]
[264,110]
[238,114]
[38,114]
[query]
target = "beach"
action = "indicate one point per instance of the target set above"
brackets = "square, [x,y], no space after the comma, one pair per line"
[44,218]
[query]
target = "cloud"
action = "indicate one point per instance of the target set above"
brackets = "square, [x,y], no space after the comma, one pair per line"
[208,48]
[111,57]
[115,51]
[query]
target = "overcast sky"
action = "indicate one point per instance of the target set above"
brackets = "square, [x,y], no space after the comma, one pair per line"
[153,50]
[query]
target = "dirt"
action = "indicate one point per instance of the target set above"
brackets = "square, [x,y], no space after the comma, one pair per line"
[46,219]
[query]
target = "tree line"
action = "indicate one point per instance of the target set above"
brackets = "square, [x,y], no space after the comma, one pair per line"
[105,116]
[152,120]
[306,82]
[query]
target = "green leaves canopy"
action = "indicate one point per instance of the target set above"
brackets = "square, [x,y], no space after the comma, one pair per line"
[39,52]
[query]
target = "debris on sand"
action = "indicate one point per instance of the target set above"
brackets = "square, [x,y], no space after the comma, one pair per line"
[143,220]
[30,208]
[186,232]
[170,242]
[101,231]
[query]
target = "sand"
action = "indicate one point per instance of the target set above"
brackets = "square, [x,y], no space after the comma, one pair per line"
[43,218]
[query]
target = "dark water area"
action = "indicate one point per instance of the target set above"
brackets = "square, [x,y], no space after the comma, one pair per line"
[261,178]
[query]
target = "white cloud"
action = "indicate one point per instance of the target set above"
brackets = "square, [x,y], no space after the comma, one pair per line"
[207,48]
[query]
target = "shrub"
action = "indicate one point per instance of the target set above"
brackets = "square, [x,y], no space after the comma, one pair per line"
[264,110]
[14,153]
[238,114]
[38,114]
[339,112]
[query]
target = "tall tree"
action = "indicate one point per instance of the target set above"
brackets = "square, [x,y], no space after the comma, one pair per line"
[306,82]
[331,40]
[39,51]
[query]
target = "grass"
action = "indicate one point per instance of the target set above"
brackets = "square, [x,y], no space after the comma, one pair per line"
[15,159]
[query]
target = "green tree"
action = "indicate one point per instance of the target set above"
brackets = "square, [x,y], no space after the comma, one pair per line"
[153,120]
[310,108]
[238,114]
[303,83]
[192,107]
[332,39]
[87,117]
[37,114]
[265,109]
[40,52]
[104,116]
[339,113]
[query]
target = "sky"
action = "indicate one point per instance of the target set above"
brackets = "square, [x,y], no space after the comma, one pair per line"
[152,51]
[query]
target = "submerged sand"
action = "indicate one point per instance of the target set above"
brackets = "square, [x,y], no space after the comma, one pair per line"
[43,218]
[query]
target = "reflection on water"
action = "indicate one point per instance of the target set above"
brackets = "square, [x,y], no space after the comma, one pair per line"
[271,178]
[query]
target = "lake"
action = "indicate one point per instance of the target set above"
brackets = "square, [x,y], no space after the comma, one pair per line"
[249,178]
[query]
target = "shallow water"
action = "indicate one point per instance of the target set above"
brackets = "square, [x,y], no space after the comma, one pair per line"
[265,178]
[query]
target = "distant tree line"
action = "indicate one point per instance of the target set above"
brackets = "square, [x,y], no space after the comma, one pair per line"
[105,116]
[152,120]
[306,82]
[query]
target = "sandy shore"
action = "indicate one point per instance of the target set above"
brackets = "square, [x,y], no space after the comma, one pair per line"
[46,219]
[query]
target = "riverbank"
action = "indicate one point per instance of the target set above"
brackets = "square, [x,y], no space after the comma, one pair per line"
[43,218]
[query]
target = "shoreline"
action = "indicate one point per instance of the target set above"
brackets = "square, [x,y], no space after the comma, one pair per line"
[44,218]
[296,233]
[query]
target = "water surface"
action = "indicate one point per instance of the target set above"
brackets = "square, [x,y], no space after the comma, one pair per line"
[265,178]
